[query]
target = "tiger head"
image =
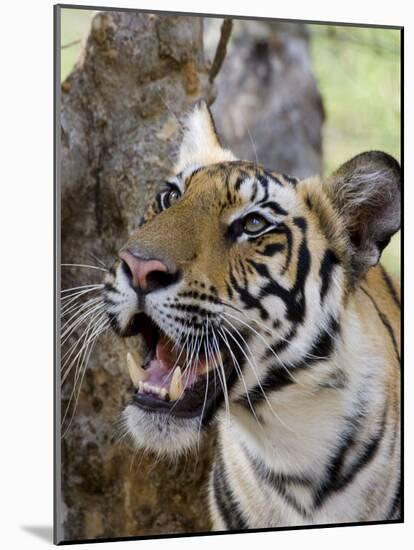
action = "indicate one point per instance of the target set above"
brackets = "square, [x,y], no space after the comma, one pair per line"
[236,279]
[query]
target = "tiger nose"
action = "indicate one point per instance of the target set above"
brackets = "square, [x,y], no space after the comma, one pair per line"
[146,275]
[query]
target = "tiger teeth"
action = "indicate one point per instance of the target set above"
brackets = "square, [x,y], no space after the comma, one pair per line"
[139,375]
[136,372]
[176,386]
[146,387]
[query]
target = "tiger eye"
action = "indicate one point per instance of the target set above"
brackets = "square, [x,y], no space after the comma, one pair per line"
[170,198]
[254,223]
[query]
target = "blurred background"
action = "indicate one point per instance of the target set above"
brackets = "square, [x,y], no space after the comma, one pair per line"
[300,99]
[358,75]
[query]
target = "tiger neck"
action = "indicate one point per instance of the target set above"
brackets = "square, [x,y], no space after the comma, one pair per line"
[298,427]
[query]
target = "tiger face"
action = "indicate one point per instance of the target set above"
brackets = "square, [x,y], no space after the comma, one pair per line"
[233,275]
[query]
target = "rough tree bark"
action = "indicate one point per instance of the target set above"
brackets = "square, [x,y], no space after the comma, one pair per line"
[118,137]
[119,130]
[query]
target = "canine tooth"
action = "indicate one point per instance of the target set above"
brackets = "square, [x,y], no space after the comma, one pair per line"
[163,393]
[136,373]
[140,386]
[176,386]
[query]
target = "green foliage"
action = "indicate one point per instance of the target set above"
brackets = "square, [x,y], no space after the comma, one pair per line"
[74,29]
[358,73]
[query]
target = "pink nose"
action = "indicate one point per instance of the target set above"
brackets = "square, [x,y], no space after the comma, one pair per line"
[145,274]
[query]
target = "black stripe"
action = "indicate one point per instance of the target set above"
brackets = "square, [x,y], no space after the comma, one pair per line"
[321,349]
[243,271]
[189,179]
[282,344]
[227,185]
[278,377]
[248,299]
[272,249]
[334,468]
[290,179]
[289,239]
[329,261]
[294,298]
[395,508]
[385,321]
[336,479]
[265,185]
[229,291]
[254,192]
[232,377]
[273,178]
[309,202]
[220,498]
[301,223]
[228,505]
[158,203]
[273,205]
[390,286]
[244,176]
[240,180]
[189,308]
[279,482]
[109,287]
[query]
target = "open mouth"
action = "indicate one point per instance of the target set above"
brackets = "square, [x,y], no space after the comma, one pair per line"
[174,379]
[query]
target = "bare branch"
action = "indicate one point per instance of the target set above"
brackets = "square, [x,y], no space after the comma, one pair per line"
[220,54]
[70,44]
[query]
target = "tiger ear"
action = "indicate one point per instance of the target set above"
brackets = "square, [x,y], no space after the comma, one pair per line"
[200,144]
[366,192]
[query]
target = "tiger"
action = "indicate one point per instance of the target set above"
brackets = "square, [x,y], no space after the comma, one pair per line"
[264,312]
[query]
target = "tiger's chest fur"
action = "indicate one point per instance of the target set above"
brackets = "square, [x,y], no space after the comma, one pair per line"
[329,450]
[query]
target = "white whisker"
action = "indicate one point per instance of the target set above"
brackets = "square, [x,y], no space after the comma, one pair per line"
[282,364]
[88,351]
[70,298]
[239,374]
[66,309]
[69,330]
[97,318]
[222,374]
[78,310]
[86,266]
[81,287]
[253,367]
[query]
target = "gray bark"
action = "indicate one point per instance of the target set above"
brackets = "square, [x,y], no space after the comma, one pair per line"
[119,132]
[118,139]
[269,108]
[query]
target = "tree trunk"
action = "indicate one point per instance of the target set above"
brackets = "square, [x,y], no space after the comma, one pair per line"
[269,108]
[119,129]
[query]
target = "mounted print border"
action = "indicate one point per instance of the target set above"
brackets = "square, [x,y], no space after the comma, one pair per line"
[226,346]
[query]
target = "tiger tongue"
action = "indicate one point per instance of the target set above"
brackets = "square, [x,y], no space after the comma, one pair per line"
[169,356]
[166,352]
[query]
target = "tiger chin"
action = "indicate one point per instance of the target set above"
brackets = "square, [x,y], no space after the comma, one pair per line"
[262,306]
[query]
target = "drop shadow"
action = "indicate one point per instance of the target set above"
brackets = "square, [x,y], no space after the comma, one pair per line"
[43,532]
